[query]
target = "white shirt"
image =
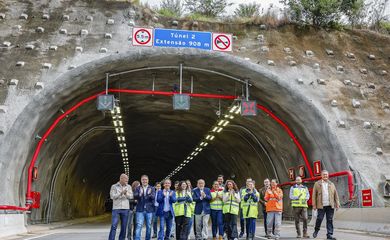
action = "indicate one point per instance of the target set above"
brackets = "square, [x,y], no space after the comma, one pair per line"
[325,194]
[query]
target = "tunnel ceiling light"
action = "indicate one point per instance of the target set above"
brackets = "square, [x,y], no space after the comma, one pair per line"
[120,131]
[217,128]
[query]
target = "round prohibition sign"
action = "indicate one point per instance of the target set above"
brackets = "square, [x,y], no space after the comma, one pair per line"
[222,42]
[142,36]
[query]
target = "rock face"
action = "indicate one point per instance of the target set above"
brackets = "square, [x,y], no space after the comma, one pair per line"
[57,53]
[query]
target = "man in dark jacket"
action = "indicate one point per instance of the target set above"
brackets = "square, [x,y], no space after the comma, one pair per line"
[145,195]
[202,196]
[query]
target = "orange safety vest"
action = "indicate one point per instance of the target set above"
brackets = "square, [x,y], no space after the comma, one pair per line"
[274,200]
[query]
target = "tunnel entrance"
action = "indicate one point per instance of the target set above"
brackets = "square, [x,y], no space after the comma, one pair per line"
[83,157]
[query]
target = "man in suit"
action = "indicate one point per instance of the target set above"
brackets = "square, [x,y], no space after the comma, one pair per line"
[325,200]
[145,195]
[202,197]
[165,198]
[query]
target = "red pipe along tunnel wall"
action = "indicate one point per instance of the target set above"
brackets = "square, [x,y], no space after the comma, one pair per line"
[29,197]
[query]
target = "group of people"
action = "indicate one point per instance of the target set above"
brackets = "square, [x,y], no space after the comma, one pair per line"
[180,209]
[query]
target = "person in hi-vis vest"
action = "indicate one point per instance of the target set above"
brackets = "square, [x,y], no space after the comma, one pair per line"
[299,195]
[231,205]
[250,209]
[216,205]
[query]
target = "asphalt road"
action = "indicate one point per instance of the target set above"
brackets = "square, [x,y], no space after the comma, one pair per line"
[100,230]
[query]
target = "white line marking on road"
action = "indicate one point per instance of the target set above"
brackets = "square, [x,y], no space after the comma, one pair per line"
[43,235]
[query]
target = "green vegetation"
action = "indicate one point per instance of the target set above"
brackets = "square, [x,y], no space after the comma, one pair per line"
[208,8]
[247,10]
[171,8]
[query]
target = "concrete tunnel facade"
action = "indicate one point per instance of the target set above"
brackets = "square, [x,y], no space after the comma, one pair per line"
[159,138]
[54,54]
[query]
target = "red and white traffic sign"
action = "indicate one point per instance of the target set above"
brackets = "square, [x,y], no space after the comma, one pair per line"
[317,168]
[367,198]
[291,174]
[142,37]
[301,171]
[222,42]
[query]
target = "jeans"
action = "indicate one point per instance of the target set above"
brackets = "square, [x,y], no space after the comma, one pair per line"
[191,222]
[131,225]
[117,214]
[166,221]
[202,226]
[242,221]
[231,226]
[142,217]
[154,221]
[182,227]
[274,219]
[217,222]
[329,211]
[300,212]
[250,227]
[265,223]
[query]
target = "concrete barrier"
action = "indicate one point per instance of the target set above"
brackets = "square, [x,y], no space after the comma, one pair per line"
[371,220]
[12,224]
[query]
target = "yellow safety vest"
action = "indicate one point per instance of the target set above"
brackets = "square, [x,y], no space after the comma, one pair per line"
[216,204]
[242,193]
[301,202]
[250,208]
[182,208]
[231,206]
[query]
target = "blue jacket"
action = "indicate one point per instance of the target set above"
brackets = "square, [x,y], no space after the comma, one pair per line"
[201,204]
[145,203]
[161,202]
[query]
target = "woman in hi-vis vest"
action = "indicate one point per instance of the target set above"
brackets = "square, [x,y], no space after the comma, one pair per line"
[231,206]
[250,209]
[183,212]
[216,205]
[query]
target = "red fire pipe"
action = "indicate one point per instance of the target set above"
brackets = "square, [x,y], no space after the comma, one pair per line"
[29,198]
[15,208]
[292,136]
[335,174]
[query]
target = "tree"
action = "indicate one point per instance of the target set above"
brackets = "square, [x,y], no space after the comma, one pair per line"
[209,8]
[316,12]
[247,10]
[172,8]
[354,10]
[377,14]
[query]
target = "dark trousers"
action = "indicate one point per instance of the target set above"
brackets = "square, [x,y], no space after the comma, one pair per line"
[250,227]
[242,221]
[329,211]
[265,223]
[300,212]
[123,215]
[154,221]
[231,226]
[217,222]
[165,221]
[182,227]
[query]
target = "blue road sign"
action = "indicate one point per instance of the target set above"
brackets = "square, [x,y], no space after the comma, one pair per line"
[182,39]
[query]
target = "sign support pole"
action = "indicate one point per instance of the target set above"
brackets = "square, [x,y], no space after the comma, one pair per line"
[247,89]
[107,76]
[192,84]
[181,77]
[154,78]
